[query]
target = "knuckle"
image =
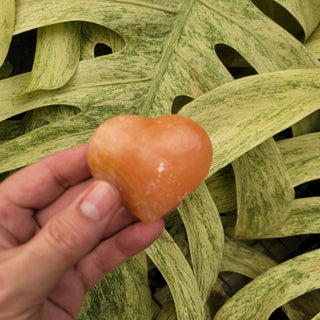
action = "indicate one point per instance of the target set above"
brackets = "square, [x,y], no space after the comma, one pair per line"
[99,261]
[63,237]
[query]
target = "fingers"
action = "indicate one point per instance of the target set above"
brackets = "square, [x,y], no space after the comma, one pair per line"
[42,216]
[114,251]
[69,236]
[38,185]
[123,218]
[71,289]
[42,182]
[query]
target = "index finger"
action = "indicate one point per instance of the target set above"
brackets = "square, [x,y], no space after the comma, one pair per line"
[41,183]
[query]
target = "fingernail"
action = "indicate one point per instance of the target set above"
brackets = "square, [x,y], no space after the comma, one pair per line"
[100,200]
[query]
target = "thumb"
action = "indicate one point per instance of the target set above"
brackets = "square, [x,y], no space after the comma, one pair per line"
[70,235]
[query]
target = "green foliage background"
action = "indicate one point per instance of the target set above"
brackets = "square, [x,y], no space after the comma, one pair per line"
[248,72]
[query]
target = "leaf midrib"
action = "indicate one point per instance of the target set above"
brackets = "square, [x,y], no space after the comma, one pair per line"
[168,51]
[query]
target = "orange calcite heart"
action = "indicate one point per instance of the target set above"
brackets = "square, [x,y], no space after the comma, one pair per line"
[154,163]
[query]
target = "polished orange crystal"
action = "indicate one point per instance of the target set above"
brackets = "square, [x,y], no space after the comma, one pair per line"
[154,163]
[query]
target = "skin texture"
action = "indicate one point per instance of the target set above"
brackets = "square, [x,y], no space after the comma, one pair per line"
[154,163]
[60,233]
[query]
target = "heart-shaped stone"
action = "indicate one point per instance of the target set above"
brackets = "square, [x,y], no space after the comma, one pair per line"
[154,163]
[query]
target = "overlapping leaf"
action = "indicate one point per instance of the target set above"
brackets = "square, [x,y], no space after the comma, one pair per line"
[265,105]
[7,17]
[166,49]
[57,57]
[302,219]
[205,236]
[301,156]
[177,272]
[274,288]
[170,50]
[307,13]
[131,281]
[313,43]
[245,260]
[264,190]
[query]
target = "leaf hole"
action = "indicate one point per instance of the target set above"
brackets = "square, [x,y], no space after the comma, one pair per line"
[308,189]
[39,117]
[278,314]
[16,117]
[234,62]
[101,49]
[97,40]
[25,122]
[281,16]
[21,52]
[179,102]
[285,134]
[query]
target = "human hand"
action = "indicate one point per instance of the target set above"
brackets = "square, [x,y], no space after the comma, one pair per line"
[60,233]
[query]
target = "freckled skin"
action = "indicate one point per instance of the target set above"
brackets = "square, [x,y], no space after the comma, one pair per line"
[154,163]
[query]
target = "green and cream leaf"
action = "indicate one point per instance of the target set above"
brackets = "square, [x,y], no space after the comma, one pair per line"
[56,58]
[177,272]
[7,22]
[274,288]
